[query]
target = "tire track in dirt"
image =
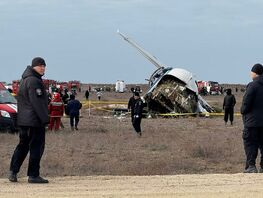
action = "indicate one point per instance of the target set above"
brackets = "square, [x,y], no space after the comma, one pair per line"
[212,185]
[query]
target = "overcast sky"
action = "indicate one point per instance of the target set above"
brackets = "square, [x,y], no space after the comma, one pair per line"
[214,39]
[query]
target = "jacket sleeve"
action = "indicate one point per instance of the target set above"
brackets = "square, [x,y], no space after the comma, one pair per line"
[129,104]
[49,108]
[140,108]
[234,101]
[38,100]
[63,107]
[248,99]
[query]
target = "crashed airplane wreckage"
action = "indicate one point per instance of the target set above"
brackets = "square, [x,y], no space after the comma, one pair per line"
[172,90]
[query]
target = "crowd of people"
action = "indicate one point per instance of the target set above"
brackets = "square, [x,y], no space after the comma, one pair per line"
[60,104]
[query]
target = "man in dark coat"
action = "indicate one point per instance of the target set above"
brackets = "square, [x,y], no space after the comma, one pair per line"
[73,108]
[137,110]
[65,100]
[87,94]
[228,106]
[131,104]
[251,110]
[32,119]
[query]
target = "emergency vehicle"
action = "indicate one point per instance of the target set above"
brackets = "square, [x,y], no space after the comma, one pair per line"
[214,88]
[8,110]
[49,83]
[74,86]
[208,87]
[62,86]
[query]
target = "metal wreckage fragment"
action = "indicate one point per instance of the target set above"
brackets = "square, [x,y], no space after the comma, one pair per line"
[172,90]
[171,96]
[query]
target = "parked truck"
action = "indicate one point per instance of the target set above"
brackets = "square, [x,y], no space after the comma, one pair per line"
[208,87]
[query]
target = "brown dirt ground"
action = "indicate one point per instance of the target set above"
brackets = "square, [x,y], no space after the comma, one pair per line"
[107,145]
[192,186]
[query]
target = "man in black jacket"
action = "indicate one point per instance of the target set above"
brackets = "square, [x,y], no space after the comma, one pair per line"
[137,111]
[228,106]
[87,94]
[32,119]
[251,110]
[131,104]
[74,107]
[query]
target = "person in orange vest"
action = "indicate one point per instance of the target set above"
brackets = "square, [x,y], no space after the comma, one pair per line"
[56,110]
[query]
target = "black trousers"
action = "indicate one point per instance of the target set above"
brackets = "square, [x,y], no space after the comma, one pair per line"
[132,116]
[72,118]
[229,112]
[32,139]
[253,141]
[137,124]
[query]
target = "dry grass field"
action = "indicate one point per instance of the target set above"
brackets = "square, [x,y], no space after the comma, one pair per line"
[108,145]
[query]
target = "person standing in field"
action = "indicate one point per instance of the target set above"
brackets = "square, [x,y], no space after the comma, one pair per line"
[32,119]
[131,104]
[251,110]
[228,106]
[56,111]
[99,94]
[87,94]
[137,110]
[74,107]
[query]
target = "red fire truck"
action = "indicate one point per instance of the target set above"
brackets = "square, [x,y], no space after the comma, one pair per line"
[74,86]
[208,87]
[49,83]
[62,85]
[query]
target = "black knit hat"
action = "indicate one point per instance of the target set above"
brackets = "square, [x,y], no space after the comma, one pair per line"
[72,97]
[38,61]
[136,94]
[258,69]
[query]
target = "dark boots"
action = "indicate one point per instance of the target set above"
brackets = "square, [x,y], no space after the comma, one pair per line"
[251,169]
[37,180]
[12,176]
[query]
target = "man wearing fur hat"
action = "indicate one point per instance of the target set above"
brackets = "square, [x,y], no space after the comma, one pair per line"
[32,119]
[251,110]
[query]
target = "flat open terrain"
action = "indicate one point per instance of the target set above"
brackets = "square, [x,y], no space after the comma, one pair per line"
[78,162]
[194,186]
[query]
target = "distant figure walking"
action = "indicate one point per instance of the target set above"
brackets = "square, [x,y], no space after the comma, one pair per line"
[131,104]
[228,106]
[65,99]
[99,94]
[251,110]
[73,108]
[87,94]
[137,109]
